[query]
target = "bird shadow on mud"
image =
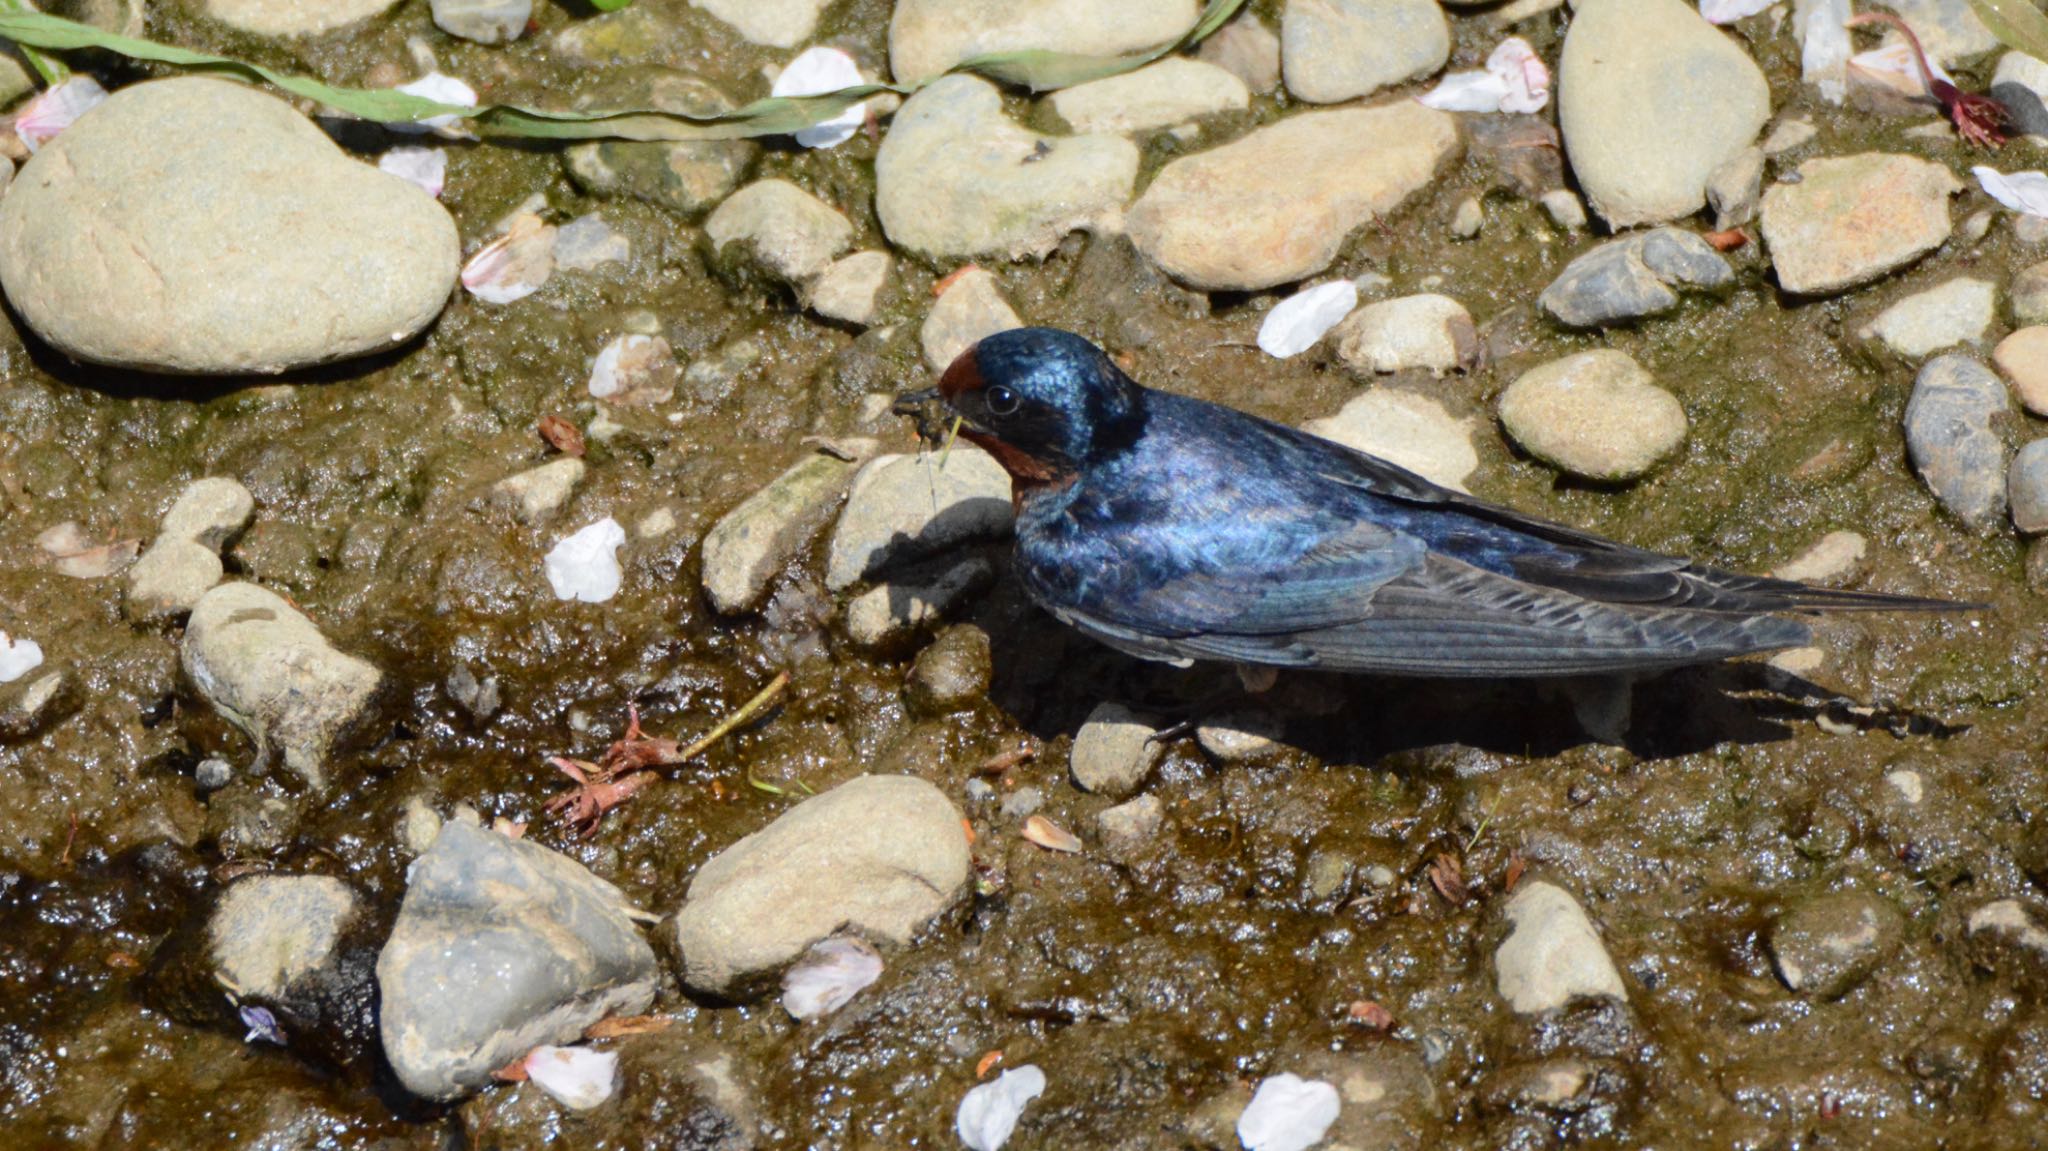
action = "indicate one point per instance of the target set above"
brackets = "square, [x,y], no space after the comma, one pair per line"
[1049,681]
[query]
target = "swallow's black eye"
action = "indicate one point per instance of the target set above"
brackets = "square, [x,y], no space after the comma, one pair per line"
[1001,401]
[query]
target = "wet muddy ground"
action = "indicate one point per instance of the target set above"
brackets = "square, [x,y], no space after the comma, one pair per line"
[1148,987]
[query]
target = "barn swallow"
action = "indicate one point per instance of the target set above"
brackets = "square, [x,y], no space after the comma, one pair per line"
[1178,530]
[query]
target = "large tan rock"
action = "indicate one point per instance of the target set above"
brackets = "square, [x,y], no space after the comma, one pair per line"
[196,225]
[1651,100]
[1277,205]
[926,37]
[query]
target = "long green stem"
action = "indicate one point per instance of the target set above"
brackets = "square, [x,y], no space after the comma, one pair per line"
[51,69]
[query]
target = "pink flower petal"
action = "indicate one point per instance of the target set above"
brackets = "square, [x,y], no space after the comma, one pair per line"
[989,1113]
[1296,323]
[1729,11]
[1825,48]
[1523,72]
[1288,1113]
[814,73]
[18,657]
[442,90]
[515,265]
[1466,92]
[426,167]
[577,1077]
[2023,192]
[55,110]
[831,974]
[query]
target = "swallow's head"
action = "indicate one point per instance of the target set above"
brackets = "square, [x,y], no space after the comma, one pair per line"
[1045,403]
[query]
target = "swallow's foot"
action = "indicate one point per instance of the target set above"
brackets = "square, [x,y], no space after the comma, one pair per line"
[1604,706]
[1257,678]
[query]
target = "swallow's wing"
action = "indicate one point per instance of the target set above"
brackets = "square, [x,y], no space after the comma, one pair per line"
[1256,582]
[1451,619]
[1565,559]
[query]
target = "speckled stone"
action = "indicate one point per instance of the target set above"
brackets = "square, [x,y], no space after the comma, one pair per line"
[1852,219]
[2027,488]
[1953,438]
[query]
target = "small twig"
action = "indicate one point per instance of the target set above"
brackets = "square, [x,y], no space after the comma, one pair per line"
[1487,819]
[738,719]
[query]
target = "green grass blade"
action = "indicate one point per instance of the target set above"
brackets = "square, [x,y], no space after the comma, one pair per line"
[1036,70]
[2018,23]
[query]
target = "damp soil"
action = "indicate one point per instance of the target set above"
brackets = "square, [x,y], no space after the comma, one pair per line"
[1149,986]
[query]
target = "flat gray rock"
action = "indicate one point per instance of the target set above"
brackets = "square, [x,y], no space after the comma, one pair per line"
[270,931]
[971,308]
[1173,91]
[1651,100]
[1247,49]
[850,289]
[1954,439]
[2023,358]
[267,669]
[501,945]
[484,21]
[913,601]
[782,231]
[183,562]
[686,177]
[194,225]
[2021,84]
[747,548]
[2028,295]
[956,178]
[1425,332]
[1337,50]
[1957,312]
[1633,277]
[1276,205]
[881,855]
[1407,429]
[905,508]
[772,23]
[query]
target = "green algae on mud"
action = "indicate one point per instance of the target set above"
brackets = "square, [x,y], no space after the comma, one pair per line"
[1147,985]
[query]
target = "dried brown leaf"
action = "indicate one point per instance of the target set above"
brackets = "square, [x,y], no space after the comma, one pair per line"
[562,435]
[1447,875]
[1370,1015]
[611,1027]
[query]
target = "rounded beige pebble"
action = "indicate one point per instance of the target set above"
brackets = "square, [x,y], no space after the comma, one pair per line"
[2022,358]
[1597,415]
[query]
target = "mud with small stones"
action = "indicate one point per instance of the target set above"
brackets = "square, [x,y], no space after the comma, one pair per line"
[1148,985]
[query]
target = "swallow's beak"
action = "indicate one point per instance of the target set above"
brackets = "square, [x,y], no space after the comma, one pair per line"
[929,410]
[916,403]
